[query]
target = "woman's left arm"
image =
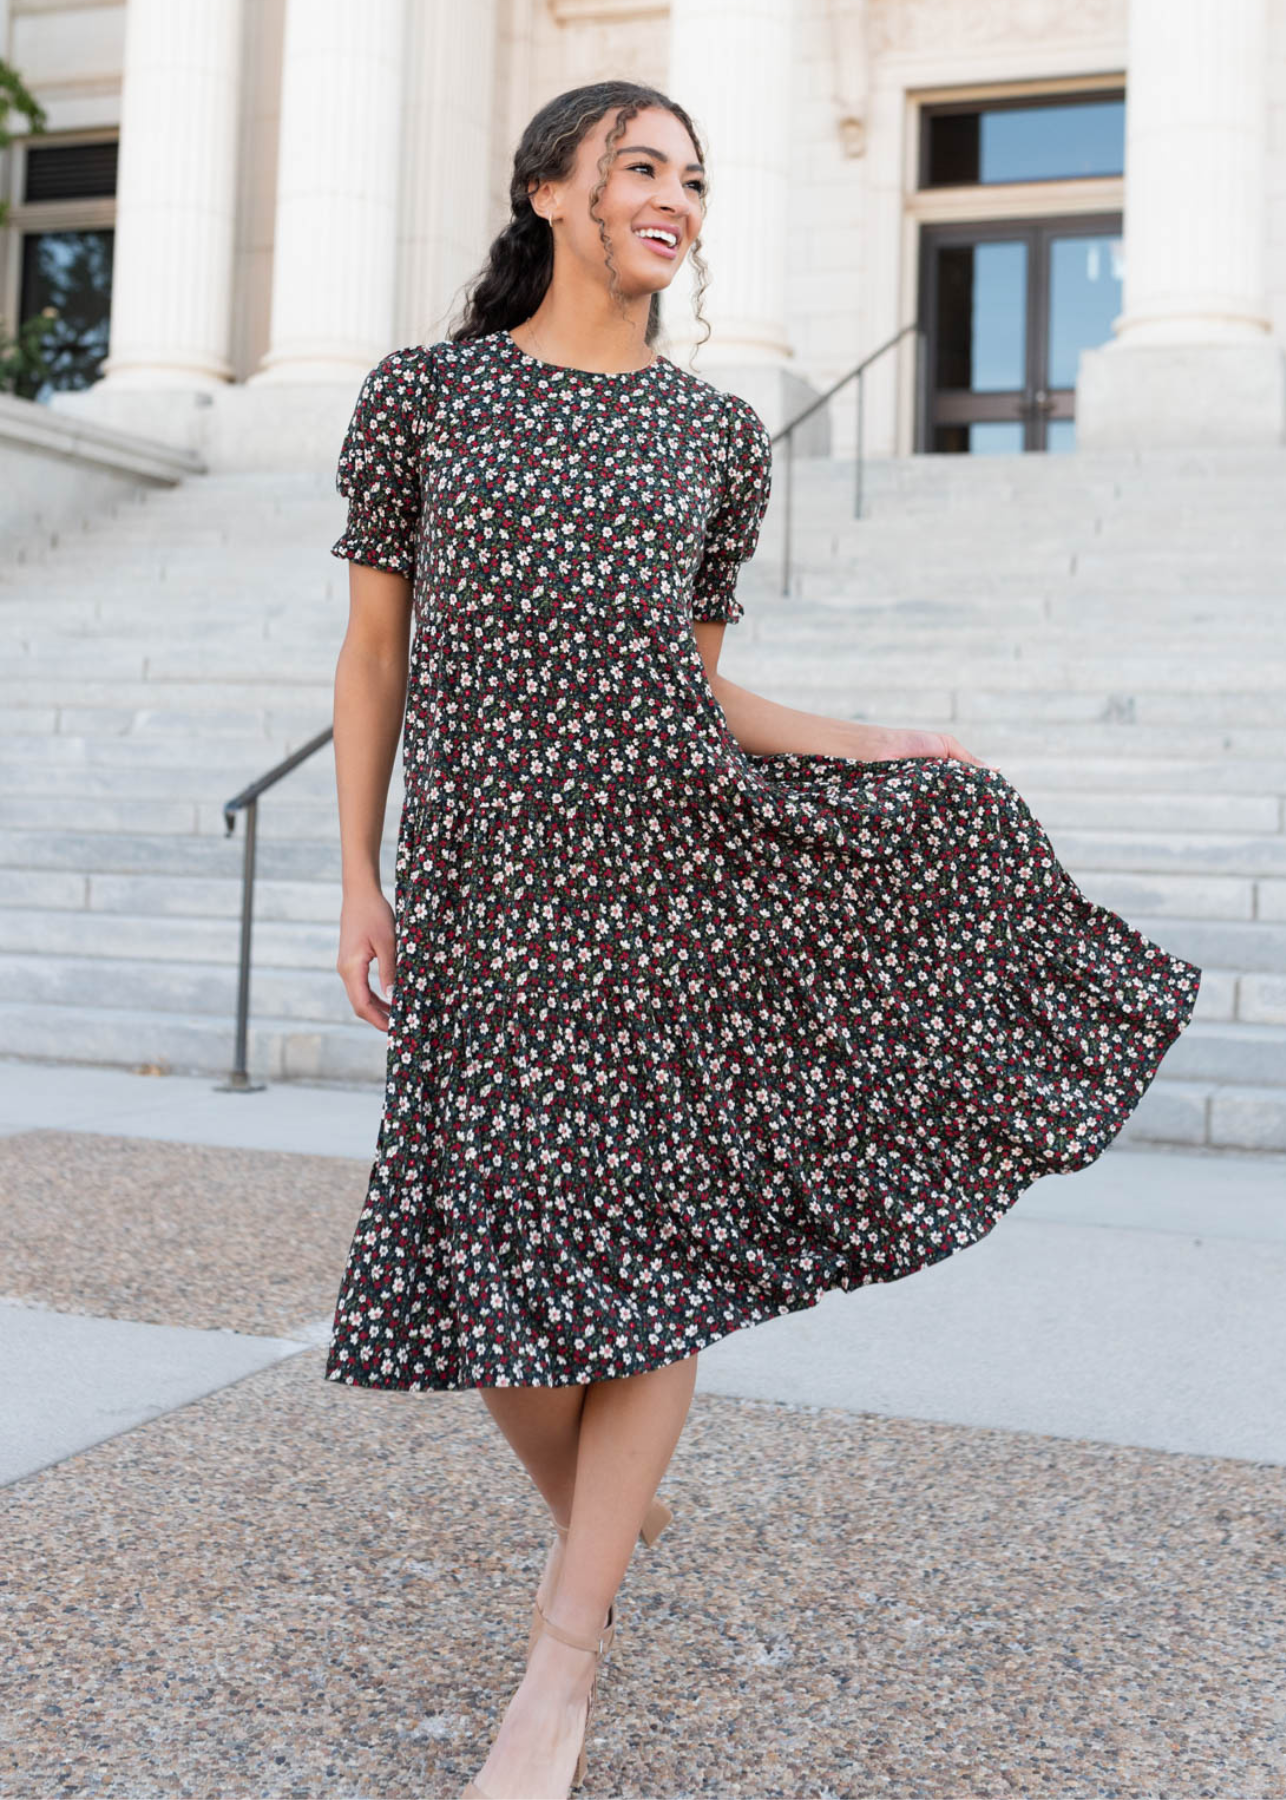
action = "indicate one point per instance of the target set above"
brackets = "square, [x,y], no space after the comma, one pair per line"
[766,728]
[763,727]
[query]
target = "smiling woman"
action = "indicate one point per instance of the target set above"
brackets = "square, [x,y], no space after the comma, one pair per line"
[702,1006]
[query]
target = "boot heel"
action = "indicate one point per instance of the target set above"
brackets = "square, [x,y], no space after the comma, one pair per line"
[655,1520]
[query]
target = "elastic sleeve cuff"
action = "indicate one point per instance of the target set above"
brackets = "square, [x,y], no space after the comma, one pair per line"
[378,543]
[715,597]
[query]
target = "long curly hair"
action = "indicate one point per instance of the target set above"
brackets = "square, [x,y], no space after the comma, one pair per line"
[520,263]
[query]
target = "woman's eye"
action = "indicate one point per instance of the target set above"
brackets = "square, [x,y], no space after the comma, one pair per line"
[699,186]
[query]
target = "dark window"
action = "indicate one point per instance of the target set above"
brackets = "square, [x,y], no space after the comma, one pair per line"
[70,172]
[1033,140]
[71,272]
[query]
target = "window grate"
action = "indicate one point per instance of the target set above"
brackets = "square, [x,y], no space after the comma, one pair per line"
[70,171]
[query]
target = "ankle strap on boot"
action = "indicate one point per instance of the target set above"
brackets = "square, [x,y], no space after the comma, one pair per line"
[569,1637]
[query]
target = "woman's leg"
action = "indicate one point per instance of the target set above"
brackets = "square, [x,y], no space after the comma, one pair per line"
[542,1425]
[628,1430]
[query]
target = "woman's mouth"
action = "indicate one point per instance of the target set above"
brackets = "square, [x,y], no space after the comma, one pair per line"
[660,239]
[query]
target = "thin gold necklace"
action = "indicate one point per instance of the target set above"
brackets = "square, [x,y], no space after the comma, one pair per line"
[545,359]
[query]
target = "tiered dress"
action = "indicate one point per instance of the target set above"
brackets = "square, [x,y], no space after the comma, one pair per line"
[680,1036]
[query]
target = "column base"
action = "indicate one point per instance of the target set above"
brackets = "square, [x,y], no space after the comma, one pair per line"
[239,426]
[1181,396]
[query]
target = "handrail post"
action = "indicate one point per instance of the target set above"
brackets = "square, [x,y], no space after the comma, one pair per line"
[861,391]
[238,1077]
[921,382]
[787,431]
[247,801]
[790,513]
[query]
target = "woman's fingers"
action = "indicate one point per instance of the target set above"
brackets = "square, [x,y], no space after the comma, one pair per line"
[363,999]
[366,936]
[913,740]
[953,747]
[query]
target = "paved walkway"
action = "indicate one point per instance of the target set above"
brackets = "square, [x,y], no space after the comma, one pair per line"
[1013,1526]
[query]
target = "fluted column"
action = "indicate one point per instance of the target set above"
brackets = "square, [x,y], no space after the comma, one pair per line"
[446,160]
[1191,359]
[176,196]
[730,67]
[1196,150]
[338,173]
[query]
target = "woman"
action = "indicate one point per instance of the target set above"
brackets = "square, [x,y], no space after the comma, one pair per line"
[703,1005]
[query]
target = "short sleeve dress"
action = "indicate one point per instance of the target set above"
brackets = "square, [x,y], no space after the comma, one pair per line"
[681,1037]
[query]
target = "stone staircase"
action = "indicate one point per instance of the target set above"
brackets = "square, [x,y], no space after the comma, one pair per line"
[1110,630]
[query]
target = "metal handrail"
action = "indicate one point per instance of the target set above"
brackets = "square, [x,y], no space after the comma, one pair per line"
[857,373]
[247,801]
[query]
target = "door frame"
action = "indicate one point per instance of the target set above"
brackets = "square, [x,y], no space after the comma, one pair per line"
[1039,403]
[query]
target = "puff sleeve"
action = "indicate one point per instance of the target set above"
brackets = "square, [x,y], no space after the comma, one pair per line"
[379,468]
[733,530]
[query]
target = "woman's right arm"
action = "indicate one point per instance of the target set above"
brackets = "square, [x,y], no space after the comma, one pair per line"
[370,702]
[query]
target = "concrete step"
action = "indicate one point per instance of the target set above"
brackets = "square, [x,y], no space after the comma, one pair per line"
[54,777]
[136,1037]
[864,686]
[165,895]
[1233,1053]
[294,818]
[71,665]
[142,853]
[1192,811]
[192,988]
[164,939]
[1171,853]
[189,703]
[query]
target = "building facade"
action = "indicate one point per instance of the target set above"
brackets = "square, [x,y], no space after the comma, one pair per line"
[238,206]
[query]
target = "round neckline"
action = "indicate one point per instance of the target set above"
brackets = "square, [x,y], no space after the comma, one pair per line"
[539,362]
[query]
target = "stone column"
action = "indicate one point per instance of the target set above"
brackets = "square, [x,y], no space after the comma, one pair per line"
[731,68]
[338,177]
[1191,361]
[176,197]
[446,159]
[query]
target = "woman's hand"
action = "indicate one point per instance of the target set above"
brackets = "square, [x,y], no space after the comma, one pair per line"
[366,935]
[882,743]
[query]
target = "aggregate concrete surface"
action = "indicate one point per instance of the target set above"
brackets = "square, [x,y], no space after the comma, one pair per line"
[287,1587]
[174,1234]
[292,1588]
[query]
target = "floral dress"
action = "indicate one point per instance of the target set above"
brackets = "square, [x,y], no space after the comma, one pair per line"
[680,1036]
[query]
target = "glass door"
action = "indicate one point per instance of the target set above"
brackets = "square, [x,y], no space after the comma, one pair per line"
[1008,309]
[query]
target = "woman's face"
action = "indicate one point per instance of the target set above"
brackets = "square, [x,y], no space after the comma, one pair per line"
[655,184]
